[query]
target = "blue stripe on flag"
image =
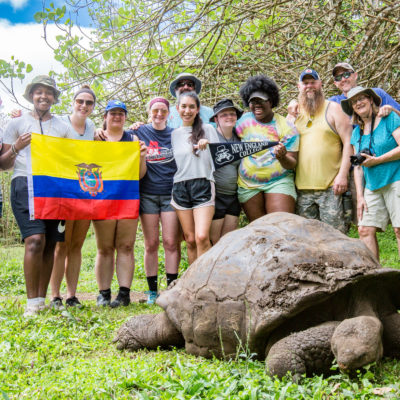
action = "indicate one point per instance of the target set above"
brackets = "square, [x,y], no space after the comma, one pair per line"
[48,186]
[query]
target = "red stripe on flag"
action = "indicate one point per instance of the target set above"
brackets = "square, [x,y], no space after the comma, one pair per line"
[76,209]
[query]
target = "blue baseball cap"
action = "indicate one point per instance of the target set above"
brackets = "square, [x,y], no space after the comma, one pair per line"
[309,72]
[112,104]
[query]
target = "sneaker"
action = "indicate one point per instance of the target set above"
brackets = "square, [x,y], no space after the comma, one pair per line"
[31,310]
[73,302]
[103,300]
[121,300]
[57,303]
[151,296]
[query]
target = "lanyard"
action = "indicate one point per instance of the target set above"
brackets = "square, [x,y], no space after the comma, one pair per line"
[370,135]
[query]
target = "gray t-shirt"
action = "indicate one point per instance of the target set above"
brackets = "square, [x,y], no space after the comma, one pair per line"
[89,128]
[27,123]
[189,166]
[226,177]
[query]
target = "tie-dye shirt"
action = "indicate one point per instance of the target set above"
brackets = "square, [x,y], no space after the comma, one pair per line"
[261,168]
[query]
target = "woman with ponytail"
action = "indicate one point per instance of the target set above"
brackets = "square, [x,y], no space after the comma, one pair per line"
[193,193]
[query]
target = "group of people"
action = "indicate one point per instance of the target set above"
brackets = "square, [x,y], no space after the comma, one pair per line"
[306,172]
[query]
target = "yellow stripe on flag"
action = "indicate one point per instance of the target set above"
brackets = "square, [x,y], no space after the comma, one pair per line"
[59,157]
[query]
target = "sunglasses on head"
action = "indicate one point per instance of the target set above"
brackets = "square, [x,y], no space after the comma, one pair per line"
[339,77]
[86,102]
[185,83]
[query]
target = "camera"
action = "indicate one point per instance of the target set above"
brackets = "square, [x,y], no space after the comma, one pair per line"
[358,159]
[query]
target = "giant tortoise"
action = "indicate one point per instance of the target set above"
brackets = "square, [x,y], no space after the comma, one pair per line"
[295,291]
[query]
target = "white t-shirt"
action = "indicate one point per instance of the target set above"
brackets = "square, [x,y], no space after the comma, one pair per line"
[190,166]
[27,123]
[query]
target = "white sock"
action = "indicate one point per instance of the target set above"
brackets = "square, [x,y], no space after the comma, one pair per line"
[32,302]
[41,300]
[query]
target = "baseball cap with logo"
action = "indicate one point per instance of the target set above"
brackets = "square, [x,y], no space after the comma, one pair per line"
[309,72]
[342,65]
[112,104]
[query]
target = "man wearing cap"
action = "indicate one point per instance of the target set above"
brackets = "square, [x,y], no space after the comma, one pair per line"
[345,78]
[324,153]
[186,82]
[40,236]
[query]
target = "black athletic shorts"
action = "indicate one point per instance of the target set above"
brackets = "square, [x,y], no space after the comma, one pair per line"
[193,193]
[52,228]
[226,204]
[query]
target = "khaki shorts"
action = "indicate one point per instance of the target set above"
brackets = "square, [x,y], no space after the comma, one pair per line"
[383,206]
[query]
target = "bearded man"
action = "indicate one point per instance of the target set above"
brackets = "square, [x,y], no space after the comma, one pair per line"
[324,153]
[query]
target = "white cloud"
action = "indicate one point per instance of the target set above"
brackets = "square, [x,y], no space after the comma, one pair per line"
[25,42]
[15,4]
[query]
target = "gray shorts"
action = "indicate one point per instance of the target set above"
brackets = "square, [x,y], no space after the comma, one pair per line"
[323,205]
[193,193]
[155,203]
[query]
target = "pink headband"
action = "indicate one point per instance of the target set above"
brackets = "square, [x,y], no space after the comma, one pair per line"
[159,100]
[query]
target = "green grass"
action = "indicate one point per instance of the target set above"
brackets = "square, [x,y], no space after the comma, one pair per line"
[70,355]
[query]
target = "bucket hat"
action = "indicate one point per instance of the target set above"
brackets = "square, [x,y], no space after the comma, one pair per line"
[223,105]
[185,75]
[43,80]
[346,103]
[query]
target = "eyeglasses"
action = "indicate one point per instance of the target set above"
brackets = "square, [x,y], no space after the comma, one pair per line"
[185,83]
[256,101]
[227,114]
[353,102]
[155,111]
[86,102]
[339,77]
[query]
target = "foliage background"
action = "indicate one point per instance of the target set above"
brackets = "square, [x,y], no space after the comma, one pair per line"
[138,46]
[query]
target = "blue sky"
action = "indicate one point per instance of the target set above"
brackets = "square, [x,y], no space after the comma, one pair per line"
[22,11]
[22,38]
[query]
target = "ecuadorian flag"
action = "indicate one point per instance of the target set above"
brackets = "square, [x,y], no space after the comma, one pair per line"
[80,179]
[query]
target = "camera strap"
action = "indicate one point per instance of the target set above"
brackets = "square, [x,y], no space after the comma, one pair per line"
[370,135]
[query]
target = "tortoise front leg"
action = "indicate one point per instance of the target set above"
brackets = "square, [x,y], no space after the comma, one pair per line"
[391,335]
[305,352]
[148,331]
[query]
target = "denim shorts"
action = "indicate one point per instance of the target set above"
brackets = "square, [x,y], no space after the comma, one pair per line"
[193,193]
[155,203]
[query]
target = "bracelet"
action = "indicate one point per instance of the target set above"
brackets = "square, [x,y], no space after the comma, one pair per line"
[14,150]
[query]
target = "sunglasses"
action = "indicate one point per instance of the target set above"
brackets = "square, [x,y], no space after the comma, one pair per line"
[257,101]
[86,102]
[155,111]
[310,121]
[185,83]
[339,77]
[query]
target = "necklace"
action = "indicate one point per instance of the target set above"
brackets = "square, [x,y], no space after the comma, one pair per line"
[81,134]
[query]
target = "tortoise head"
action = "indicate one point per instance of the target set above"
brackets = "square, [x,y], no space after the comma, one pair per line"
[357,342]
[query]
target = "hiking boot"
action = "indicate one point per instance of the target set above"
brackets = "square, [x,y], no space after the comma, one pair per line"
[57,304]
[103,300]
[122,299]
[73,302]
[151,296]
